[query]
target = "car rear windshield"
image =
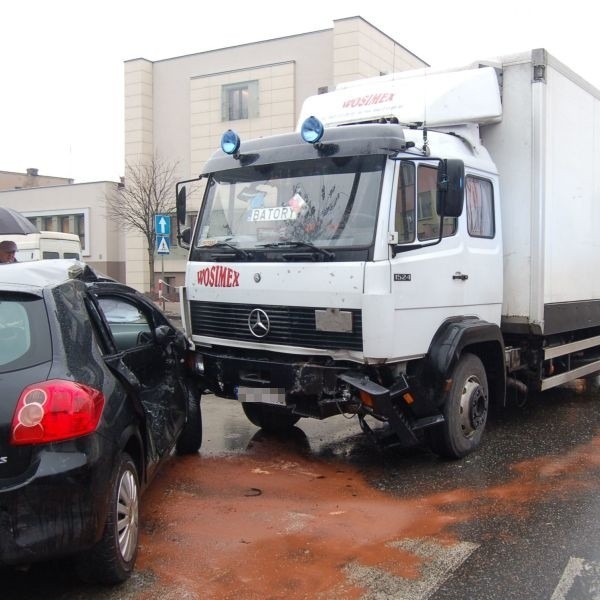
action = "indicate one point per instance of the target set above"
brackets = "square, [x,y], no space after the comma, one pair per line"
[24,332]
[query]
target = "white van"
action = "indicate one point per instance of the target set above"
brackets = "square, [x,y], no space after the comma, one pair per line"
[45,244]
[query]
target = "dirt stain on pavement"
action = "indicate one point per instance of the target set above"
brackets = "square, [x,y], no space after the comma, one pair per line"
[278,524]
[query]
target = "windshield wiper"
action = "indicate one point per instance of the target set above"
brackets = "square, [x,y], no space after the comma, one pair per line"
[322,251]
[238,251]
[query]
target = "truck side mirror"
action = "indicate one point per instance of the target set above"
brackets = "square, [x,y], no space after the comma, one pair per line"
[184,238]
[450,187]
[180,203]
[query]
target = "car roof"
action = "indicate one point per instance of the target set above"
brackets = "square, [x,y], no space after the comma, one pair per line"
[35,275]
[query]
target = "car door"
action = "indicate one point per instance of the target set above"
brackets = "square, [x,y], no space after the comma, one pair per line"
[147,365]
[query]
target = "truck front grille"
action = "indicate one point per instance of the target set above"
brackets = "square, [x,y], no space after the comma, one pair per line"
[289,325]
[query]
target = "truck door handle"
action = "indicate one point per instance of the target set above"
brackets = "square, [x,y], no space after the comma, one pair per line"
[460,276]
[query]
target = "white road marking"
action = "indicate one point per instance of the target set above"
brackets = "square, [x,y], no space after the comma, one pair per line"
[580,579]
[439,562]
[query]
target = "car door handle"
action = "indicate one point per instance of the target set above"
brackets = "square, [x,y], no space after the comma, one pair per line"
[460,276]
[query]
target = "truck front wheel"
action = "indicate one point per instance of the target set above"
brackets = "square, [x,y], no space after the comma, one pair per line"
[465,410]
[269,418]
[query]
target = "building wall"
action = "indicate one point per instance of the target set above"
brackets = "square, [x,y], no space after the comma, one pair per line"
[104,241]
[139,146]
[276,107]
[174,107]
[361,50]
[10,180]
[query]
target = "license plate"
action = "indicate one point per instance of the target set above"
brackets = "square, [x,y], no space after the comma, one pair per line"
[263,395]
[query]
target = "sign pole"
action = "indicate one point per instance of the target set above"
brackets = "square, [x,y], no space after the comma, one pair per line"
[162,268]
[162,227]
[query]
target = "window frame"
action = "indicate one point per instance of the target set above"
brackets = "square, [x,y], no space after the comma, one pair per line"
[247,109]
[492,207]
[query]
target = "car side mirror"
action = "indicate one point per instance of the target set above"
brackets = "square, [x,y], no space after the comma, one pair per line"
[164,335]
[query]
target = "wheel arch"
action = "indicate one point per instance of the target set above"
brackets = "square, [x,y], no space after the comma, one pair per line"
[469,334]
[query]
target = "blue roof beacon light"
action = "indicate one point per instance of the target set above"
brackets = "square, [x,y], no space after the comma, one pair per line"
[230,142]
[312,130]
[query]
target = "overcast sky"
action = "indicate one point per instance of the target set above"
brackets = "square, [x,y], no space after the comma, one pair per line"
[61,61]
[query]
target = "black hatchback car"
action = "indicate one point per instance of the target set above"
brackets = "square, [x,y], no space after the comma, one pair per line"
[95,390]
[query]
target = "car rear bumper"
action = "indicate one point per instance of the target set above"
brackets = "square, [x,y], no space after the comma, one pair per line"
[58,510]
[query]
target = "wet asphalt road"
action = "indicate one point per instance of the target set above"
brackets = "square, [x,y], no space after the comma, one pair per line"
[323,514]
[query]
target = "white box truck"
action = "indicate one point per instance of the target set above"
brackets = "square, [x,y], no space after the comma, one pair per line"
[45,245]
[424,244]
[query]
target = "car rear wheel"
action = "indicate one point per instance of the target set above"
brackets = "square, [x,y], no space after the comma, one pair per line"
[112,559]
[269,418]
[190,438]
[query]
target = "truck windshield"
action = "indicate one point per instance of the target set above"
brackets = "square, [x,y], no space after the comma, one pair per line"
[326,202]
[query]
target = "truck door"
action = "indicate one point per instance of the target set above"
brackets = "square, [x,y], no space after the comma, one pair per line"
[430,283]
[483,243]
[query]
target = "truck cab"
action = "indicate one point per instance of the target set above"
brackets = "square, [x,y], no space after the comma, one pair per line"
[350,268]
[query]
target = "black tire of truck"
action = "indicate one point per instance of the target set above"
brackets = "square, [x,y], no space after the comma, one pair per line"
[112,559]
[270,418]
[190,438]
[465,410]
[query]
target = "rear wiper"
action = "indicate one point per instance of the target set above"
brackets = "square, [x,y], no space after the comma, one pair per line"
[322,251]
[237,251]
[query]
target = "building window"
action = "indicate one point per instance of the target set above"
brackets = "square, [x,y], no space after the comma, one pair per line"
[240,101]
[64,221]
[79,228]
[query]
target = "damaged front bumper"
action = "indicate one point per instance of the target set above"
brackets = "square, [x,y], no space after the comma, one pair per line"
[316,388]
[388,403]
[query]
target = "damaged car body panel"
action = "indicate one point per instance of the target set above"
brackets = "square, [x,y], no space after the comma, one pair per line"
[87,415]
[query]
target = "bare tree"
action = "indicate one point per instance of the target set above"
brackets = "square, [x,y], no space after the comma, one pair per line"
[148,190]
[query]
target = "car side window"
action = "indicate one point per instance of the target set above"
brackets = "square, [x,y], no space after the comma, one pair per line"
[129,326]
[15,334]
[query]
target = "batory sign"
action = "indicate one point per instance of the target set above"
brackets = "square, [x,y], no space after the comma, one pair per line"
[219,276]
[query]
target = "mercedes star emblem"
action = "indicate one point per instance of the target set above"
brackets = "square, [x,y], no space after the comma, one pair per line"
[258,323]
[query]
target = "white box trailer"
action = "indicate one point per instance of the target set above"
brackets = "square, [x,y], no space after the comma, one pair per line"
[424,242]
[548,157]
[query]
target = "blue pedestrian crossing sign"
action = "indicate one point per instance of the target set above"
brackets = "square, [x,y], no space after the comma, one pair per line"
[162,244]
[162,225]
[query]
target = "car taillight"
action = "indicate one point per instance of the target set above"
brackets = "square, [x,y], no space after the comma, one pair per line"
[55,410]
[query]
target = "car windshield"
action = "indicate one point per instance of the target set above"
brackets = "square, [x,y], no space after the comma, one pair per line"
[329,202]
[24,332]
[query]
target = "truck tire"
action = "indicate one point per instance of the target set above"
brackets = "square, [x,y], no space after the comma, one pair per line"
[112,559]
[465,410]
[269,418]
[190,438]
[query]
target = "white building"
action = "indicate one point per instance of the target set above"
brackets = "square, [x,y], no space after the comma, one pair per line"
[76,208]
[178,108]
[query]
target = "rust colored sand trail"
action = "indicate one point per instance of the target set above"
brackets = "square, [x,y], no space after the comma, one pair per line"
[288,526]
